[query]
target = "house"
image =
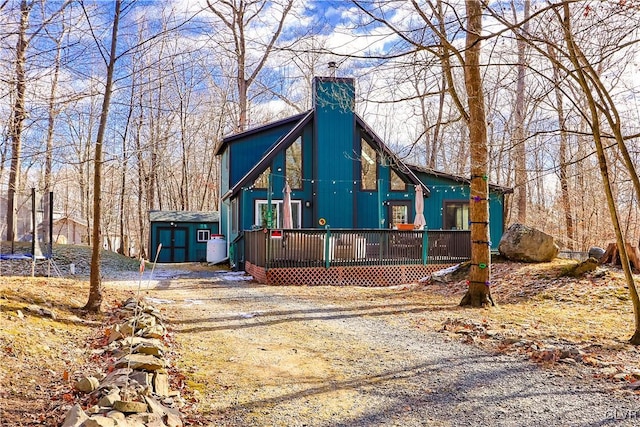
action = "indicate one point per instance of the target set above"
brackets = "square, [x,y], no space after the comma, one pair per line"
[183,235]
[24,228]
[342,176]
[69,230]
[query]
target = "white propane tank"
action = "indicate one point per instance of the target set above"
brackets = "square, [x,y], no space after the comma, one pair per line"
[216,248]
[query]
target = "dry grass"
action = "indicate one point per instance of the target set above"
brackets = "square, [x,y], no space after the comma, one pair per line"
[536,303]
[44,345]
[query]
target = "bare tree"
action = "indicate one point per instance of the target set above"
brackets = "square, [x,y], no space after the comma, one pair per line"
[478,293]
[95,291]
[18,113]
[238,16]
[519,140]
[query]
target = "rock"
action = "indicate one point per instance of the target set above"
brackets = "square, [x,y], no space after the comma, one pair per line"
[156,407]
[109,399]
[596,252]
[48,313]
[582,268]
[87,384]
[19,314]
[526,244]
[117,415]
[75,417]
[148,420]
[129,407]
[451,274]
[161,384]
[145,379]
[146,321]
[152,349]
[116,378]
[147,342]
[100,421]
[156,331]
[140,361]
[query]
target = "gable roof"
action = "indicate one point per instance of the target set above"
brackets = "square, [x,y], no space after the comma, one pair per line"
[183,216]
[258,129]
[401,167]
[439,174]
[282,144]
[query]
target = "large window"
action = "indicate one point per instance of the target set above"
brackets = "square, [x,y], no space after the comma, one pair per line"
[294,164]
[397,184]
[368,166]
[235,215]
[456,215]
[263,180]
[262,213]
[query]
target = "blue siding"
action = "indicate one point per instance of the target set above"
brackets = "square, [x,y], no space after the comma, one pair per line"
[443,189]
[188,250]
[248,197]
[334,152]
[248,152]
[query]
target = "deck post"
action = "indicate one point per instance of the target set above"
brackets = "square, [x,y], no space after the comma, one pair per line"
[380,218]
[425,246]
[327,247]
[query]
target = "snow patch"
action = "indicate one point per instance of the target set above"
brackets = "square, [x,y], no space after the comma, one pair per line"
[159,300]
[236,276]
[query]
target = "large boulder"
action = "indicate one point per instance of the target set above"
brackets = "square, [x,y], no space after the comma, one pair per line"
[522,243]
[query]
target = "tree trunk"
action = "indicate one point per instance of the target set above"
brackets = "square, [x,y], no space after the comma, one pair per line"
[519,145]
[612,255]
[95,290]
[563,166]
[479,293]
[577,59]
[49,153]
[18,122]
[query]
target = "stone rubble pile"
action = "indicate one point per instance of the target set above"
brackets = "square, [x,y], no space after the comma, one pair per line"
[135,391]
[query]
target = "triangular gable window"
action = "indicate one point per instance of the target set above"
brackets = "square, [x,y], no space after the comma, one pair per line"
[263,180]
[368,166]
[397,184]
[294,164]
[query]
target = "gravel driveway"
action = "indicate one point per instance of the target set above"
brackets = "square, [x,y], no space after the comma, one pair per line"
[323,356]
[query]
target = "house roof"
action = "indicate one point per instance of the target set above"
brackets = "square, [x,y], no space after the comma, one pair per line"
[439,174]
[284,142]
[57,219]
[258,129]
[183,216]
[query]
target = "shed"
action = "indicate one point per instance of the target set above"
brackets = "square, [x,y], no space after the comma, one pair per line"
[183,235]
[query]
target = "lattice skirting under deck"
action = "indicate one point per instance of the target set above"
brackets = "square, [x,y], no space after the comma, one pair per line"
[381,275]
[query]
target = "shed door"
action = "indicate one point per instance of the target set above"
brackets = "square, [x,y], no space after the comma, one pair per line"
[174,244]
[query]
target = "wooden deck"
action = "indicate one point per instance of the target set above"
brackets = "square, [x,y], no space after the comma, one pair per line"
[350,257]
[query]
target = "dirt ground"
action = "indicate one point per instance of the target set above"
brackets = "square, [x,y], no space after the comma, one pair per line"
[258,355]
[247,354]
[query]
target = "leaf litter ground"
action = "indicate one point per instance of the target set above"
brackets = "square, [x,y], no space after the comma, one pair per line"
[577,325]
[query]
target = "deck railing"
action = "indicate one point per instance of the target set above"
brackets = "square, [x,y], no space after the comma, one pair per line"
[345,247]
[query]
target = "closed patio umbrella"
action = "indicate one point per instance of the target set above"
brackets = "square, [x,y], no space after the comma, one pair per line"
[287,216]
[419,222]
